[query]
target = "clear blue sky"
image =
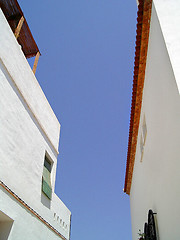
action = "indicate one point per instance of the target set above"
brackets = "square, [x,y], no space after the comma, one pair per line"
[86,72]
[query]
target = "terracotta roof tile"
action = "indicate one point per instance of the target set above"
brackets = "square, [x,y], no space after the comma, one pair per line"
[142,37]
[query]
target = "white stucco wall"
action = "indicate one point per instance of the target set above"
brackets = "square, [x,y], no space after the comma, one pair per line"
[168,12]
[155,182]
[28,129]
[25,225]
[26,82]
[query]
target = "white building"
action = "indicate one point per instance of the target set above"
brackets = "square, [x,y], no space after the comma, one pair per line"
[29,139]
[153,161]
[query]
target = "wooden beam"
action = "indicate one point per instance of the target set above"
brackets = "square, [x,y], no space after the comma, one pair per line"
[19,26]
[14,17]
[36,62]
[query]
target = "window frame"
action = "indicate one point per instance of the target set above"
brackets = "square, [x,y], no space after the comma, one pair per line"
[46,177]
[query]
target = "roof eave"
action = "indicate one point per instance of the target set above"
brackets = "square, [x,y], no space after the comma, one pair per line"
[13,14]
[142,38]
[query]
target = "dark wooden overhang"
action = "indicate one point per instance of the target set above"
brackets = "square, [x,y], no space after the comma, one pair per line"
[19,26]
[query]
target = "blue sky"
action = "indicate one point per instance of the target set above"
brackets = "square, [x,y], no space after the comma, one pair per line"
[86,72]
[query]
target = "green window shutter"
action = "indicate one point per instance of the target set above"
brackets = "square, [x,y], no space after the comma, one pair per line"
[46,179]
[47,190]
[47,175]
[47,164]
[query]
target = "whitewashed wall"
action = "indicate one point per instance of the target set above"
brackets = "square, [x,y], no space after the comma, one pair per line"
[27,83]
[28,129]
[24,224]
[155,183]
[168,12]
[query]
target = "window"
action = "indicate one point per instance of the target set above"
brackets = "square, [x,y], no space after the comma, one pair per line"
[46,178]
[143,137]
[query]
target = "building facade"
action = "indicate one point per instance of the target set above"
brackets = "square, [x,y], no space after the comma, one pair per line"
[29,140]
[152,171]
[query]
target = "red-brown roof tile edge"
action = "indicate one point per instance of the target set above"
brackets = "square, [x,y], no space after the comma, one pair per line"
[12,8]
[142,37]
